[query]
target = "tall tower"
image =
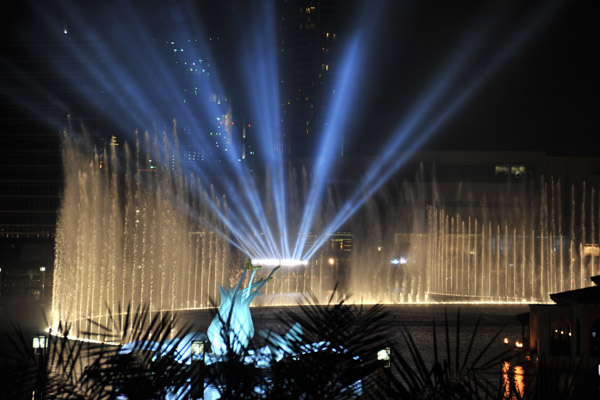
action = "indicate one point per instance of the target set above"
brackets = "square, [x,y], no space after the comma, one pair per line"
[309,46]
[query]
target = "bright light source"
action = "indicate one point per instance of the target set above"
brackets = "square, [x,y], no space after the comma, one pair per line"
[518,344]
[396,261]
[42,269]
[506,340]
[331,261]
[384,354]
[198,349]
[40,342]
[274,262]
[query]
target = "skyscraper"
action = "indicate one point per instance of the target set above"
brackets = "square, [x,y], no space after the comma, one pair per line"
[309,32]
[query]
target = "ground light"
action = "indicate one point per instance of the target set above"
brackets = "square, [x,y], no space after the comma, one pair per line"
[275,262]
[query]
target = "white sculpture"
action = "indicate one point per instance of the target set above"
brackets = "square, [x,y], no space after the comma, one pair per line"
[232,327]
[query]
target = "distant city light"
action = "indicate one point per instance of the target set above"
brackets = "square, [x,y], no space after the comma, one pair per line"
[396,261]
[331,261]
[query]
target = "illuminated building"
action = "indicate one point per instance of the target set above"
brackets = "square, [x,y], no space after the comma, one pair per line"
[310,40]
[224,138]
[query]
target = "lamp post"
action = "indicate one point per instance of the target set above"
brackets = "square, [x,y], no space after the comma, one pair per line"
[197,369]
[40,343]
[384,371]
[43,295]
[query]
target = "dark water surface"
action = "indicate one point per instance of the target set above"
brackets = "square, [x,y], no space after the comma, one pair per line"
[418,320]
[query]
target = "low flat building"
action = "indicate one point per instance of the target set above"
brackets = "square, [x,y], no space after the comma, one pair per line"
[569,329]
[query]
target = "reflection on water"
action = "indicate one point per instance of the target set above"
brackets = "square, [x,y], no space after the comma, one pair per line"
[517,373]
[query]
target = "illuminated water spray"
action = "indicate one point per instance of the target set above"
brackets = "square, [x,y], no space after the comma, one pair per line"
[166,234]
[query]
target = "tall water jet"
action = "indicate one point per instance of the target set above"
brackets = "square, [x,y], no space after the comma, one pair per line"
[135,229]
[129,233]
[420,249]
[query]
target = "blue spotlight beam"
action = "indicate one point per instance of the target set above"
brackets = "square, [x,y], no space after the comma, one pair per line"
[334,127]
[263,83]
[369,186]
[136,95]
[248,219]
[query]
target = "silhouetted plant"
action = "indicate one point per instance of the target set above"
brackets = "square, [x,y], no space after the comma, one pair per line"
[454,374]
[335,357]
[567,379]
[99,369]
[331,356]
[153,365]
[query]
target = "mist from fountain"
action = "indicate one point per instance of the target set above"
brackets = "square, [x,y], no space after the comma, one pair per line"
[125,235]
[520,246]
[137,230]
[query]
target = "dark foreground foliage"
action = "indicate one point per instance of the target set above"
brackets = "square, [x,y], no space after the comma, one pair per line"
[96,369]
[334,357]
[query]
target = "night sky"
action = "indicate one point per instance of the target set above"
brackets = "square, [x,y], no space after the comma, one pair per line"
[543,95]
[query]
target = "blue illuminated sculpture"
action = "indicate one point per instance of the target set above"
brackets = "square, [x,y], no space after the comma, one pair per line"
[232,327]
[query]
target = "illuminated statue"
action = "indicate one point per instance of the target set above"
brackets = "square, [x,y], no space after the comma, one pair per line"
[233,322]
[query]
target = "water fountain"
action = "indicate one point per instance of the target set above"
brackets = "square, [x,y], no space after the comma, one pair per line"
[520,248]
[138,230]
[129,238]
[136,227]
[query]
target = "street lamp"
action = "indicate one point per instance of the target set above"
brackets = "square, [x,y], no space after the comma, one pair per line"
[198,350]
[383,355]
[384,372]
[40,342]
[197,369]
[43,271]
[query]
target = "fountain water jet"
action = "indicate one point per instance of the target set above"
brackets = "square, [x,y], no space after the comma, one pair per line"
[132,234]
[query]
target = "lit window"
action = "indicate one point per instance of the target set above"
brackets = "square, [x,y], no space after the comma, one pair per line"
[518,171]
[502,170]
